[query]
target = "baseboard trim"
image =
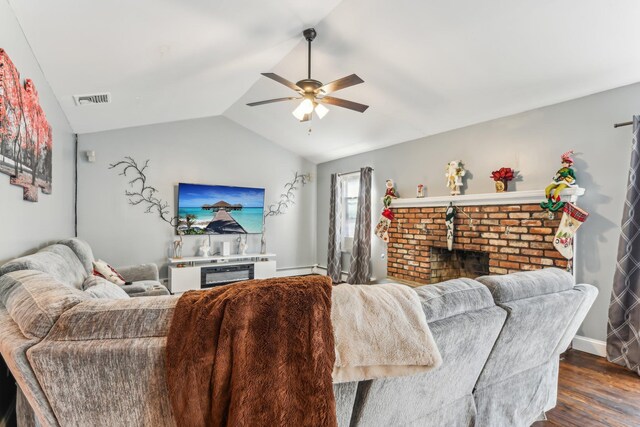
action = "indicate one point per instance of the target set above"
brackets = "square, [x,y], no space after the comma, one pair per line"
[295,271]
[591,346]
[322,270]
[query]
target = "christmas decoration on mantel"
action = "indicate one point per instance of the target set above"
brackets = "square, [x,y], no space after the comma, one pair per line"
[502,177]
[572,218]
[455,172]
[565,178]
[382,228]
[449,218]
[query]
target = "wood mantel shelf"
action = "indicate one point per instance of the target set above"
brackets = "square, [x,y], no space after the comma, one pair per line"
[506,198]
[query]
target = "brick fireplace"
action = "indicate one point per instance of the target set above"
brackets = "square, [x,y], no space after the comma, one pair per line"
[509,237]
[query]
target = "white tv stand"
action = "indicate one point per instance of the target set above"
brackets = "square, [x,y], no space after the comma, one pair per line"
[185,273]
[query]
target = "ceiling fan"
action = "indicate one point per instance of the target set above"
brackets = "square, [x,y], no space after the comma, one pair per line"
[313,93]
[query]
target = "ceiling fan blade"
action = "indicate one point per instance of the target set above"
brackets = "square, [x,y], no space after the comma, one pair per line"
[269,101]
[342,83]
[306,118]
[282,80]
[338,102]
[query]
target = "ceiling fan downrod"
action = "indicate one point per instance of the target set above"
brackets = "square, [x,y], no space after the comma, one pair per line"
[309,34]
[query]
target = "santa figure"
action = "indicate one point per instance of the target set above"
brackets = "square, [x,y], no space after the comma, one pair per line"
[455,172]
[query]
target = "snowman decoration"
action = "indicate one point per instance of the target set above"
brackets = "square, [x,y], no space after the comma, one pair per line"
[455,172]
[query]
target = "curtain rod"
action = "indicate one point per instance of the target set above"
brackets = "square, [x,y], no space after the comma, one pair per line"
[619,125]
[349,173]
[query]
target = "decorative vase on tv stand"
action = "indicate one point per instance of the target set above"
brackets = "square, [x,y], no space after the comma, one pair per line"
[263,242]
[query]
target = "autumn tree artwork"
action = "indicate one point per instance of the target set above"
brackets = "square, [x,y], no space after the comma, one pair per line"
[25,135]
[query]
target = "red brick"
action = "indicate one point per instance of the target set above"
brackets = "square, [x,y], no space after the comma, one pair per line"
[540,245]
[508,250]
[490,209]
[540,230]
[541,261]
[553,254]
[533,252]
[518,258]
[509,264]
[519,215]
[531,208]
[490,235]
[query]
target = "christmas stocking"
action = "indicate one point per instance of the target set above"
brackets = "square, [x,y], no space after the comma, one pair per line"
[572,219]
[383,225]
[449,217]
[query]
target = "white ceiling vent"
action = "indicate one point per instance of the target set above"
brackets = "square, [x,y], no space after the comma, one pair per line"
[96,98]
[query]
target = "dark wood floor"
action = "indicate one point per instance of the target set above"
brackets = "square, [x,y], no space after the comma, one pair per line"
[594,392]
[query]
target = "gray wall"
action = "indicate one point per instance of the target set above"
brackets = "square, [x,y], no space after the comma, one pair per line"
[206,151]
[532,143]
[26,225]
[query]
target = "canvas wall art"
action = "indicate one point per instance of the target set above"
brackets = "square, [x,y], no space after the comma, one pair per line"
[218,209]
[25,135]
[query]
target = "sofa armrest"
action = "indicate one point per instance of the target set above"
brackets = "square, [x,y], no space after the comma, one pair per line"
[136,273]
[115,319]
[588,294]
[110,382]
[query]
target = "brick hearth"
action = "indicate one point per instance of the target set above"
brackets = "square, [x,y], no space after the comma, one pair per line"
[526,245]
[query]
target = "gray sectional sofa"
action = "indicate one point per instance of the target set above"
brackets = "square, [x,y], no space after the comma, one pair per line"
[82,361]
[71,262]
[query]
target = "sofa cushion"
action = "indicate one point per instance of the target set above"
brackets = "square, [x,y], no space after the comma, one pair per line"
[98,287]
[453,297]
[58,261]
[527,284]
[102,269]
[83,252]
[36,300]
[145,288]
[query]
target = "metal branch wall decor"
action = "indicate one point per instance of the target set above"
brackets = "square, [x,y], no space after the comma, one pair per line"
[143,193]
[286,200]
[288,197]
[26,144]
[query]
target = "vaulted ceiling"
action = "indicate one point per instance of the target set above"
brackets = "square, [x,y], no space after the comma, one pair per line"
[428,66]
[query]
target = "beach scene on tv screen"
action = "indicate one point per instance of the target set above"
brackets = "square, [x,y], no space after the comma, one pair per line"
[217,209]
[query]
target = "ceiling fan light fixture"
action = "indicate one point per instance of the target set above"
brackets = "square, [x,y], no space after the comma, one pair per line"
[299,112]
[321,110]
[306,106]
[312,91]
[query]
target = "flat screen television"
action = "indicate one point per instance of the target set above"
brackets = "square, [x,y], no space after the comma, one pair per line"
[219,209]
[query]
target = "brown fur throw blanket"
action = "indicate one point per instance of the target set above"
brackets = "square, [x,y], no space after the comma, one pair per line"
[256,353]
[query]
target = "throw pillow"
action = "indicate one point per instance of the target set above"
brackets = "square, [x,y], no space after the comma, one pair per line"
[104,270]
[98,287]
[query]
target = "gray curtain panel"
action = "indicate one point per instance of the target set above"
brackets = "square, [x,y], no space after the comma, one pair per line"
[334,255]
[623,329]
[360,269]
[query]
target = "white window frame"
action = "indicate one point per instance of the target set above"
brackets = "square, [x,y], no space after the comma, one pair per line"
[346,242]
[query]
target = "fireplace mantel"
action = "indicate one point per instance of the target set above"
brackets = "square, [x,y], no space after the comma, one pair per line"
[484,199]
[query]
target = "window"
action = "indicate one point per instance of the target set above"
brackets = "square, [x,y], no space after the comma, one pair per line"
[350,187]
